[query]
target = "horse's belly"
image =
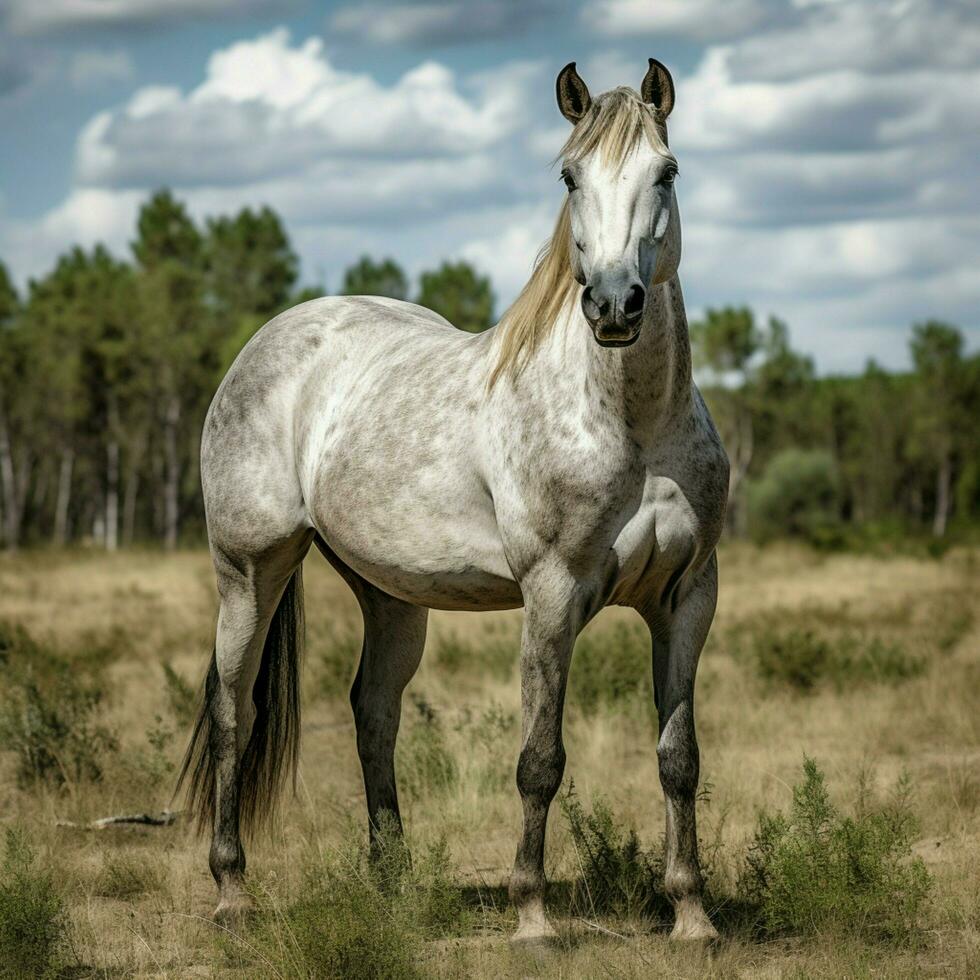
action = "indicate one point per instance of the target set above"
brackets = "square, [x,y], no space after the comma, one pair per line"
[431,550]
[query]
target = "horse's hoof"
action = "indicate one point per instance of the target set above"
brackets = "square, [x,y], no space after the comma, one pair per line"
[539,935]
[692,925]
[233,913]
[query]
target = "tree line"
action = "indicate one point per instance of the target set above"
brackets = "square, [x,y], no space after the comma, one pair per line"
[107,366]
[847,458]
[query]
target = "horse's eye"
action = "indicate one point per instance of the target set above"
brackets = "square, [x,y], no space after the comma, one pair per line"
[569,181]
[668,175]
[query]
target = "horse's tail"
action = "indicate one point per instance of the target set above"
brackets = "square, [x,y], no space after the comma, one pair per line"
[272,752]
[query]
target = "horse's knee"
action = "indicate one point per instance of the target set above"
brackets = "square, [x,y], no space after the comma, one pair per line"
[540,769]
[677,754]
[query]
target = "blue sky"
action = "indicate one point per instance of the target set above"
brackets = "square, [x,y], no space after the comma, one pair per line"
[828,148]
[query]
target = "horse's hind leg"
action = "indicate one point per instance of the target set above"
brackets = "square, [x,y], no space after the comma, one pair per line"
[251,591]
[676,650]
[394,636]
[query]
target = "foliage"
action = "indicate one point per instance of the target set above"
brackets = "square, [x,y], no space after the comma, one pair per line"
[611,667]
[815,870]
[48,713]
[496,655]
[357,918]
[337,651]
[370,278]
[181,696]
[425,765]
[618,877]
[34,925]
[126,876]
[796,651]
[459,293]
[796,496]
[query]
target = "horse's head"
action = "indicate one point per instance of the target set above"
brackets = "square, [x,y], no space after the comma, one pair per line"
[621,208]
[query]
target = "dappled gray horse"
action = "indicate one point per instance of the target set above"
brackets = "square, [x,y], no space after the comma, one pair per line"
[563,461]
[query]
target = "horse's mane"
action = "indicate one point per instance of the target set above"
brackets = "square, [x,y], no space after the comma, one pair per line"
[614,125]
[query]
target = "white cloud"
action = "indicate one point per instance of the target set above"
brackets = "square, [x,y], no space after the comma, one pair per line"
[90,68]
[43,16]
[267,108]
[699,19]
[871,35]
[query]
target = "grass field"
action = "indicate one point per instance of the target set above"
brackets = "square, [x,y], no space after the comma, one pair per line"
[869,666]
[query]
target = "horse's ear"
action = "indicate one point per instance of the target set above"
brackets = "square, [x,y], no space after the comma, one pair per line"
[573,94]
[658,88]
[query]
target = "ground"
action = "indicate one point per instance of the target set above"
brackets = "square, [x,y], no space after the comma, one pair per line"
[140,899]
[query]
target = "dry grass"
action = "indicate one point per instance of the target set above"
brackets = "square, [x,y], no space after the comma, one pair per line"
[139,899]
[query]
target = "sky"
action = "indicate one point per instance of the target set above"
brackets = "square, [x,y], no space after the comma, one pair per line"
[829,150]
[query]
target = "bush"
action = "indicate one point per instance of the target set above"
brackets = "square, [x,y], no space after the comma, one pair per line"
[611,667]
[34,938]
[497,656]
[126,876]
[816,871]
[47,716]
[788,650]
[618,877]
[425,765]
[796,496]
[180,695]
[361,919]
[337,661]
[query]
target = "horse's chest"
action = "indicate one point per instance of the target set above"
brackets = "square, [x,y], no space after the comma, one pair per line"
[659,539]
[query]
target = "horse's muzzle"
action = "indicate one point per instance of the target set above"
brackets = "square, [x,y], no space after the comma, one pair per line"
[615,316]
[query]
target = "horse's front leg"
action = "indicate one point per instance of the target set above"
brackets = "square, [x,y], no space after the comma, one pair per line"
[551,622]
[677,641]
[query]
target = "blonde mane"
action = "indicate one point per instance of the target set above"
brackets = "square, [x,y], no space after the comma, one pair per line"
[614,125]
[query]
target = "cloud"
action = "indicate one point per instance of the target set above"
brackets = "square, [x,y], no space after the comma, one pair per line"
[438,21]
[267,108]
[876,36]
[91,68]
[698,19]
[54,16]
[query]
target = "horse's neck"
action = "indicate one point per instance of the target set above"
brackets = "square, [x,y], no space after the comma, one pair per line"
[642,387]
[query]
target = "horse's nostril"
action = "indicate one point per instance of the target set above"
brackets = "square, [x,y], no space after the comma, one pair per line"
[594,308]
[633,305]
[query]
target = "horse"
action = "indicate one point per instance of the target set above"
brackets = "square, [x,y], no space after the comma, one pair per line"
[562,461]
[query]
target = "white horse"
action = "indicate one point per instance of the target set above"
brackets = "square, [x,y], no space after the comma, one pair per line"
[563,461]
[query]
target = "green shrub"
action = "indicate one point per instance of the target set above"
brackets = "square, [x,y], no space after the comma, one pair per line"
[815,871]
[34,927]
[181,696]
[127,876]
[796,496]
[494,655]
[790,649]
[618,877]
[362,919]
[339,652]
[610,667]
[48,713]
[425,765]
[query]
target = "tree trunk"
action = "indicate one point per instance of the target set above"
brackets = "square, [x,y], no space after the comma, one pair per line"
[130,499]
[112,479]
[740,452]
[64,496]
[171,478]
[8,483]
[943,481]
